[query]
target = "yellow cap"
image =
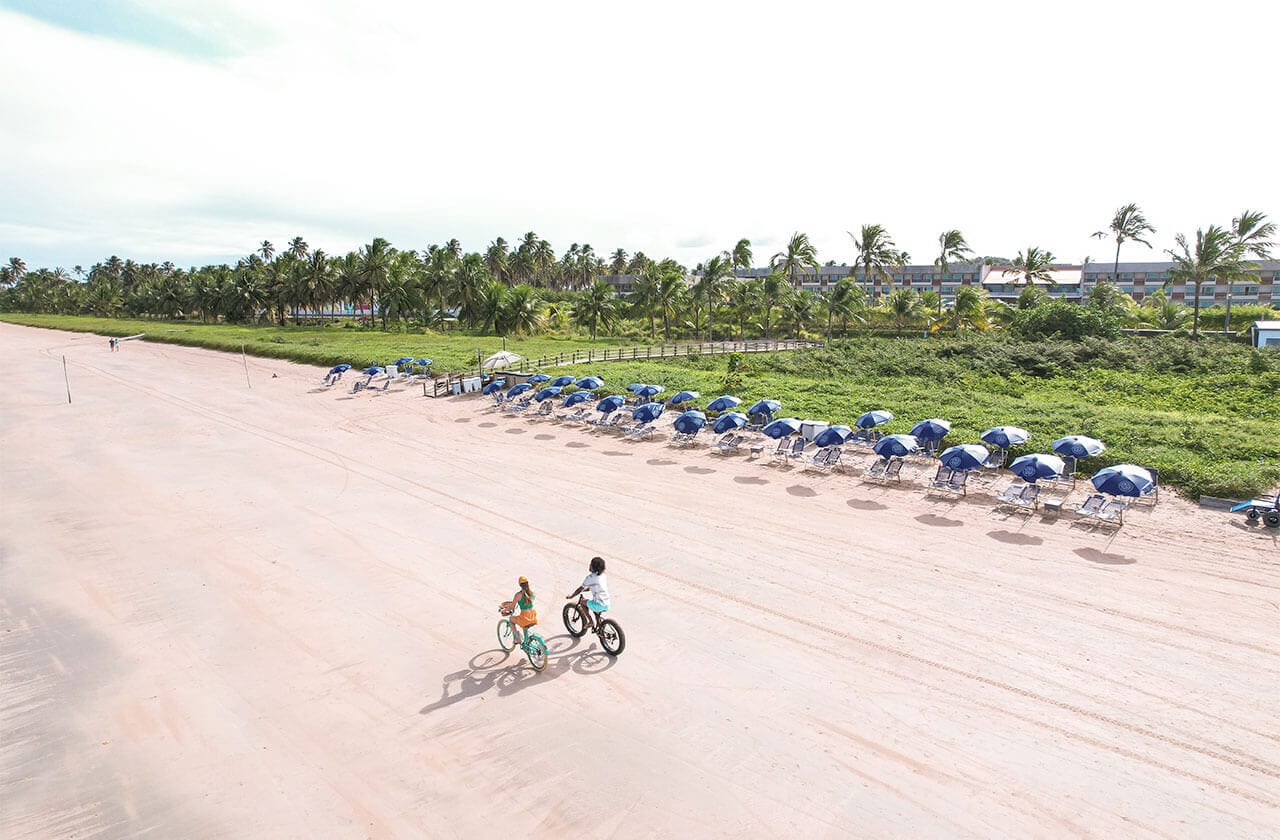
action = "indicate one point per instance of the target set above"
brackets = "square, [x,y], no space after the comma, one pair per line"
[523,579]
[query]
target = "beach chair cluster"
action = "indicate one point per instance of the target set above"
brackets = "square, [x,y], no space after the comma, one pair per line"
[885,469]
[789,449]
[1101,510]
[827,458]
[1019,496]
[947,480]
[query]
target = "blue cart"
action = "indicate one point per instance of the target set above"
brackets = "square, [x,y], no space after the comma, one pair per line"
[1266,509]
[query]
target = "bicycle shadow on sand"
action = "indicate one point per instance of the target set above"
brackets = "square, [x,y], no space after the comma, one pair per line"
[508,672]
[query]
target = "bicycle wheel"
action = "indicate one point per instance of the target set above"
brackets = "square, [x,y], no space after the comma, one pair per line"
[505,639]
[573,621]
[537,652]
[1271,519]
[612,639]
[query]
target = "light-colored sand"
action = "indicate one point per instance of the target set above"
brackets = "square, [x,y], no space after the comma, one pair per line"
[270,612]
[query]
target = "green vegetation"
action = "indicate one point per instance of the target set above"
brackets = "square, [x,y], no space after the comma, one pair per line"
[317,345]
[1204,415]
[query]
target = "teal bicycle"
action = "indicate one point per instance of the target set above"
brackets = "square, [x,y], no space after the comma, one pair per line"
[533,645]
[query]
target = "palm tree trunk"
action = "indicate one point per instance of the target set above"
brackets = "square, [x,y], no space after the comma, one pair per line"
[1115,272]
[1195,314]
[828,323]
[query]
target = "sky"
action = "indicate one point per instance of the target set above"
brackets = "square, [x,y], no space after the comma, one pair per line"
[191,130]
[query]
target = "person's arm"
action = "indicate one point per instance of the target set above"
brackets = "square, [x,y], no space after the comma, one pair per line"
[574,593]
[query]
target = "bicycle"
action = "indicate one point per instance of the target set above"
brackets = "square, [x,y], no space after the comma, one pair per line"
[533,645]
[577,622]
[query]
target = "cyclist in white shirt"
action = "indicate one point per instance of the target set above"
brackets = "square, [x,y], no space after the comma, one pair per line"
[598,586]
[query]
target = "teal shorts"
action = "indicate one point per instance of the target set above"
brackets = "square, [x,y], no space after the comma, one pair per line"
[596,606]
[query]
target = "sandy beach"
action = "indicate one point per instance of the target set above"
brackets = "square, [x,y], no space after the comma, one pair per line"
[269,611]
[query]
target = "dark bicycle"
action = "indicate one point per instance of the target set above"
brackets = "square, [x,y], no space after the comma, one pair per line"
[577,620]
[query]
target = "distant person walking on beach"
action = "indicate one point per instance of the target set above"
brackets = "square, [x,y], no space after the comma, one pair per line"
[111,342]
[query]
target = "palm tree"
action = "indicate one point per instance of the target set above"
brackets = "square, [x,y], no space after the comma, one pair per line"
[644,297]
[1158,312]
[638,263]
[318,278]
[298,247]
[671,293]
[969,312]
[799,308]
[1217,254]
[523,312]
[1035,266]
[773,291]
[17,268]
[744,301]
[496,259]
[1253,233]
[800,254]
[1127,223]
[951,248]
[904,308]
[716,273]
[587,263]
[491,307]
[595,307]
[618,262]
[740,256]
[878,254]
[374,267]
[267,250]
[469,280]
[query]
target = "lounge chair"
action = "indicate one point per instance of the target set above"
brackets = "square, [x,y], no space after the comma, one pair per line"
[818,460]
[796,452]
[928,448]
[780,451]
[996,460]
[1153,495]
[1112,512]
[1022,496]
[685,438]
[728,441]
[498,399]
[1089,509]
[579,416]
[942,478]
[958,482]
[640,430]
[545,409]
[519,405]
[885,469]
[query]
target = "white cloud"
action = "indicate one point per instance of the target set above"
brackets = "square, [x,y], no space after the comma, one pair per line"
[654,128]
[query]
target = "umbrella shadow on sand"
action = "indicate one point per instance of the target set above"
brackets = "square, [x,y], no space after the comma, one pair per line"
[508,672]
[1093,555]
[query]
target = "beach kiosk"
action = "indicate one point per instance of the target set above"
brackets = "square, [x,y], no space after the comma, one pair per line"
[1265,333]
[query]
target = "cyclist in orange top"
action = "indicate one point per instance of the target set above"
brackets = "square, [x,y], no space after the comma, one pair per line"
[528,615]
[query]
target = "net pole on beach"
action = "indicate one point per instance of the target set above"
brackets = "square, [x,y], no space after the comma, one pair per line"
[66,379]
[245,359]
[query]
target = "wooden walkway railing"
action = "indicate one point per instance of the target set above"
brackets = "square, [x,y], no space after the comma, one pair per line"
[443,385]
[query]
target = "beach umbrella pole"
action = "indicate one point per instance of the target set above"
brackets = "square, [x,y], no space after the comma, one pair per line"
[244,358]
[66,379]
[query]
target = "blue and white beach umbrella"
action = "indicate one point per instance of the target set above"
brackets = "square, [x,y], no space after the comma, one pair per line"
[766,407]
[634,387]
[493,386]
[724,403]
[339,369]
[609,405]
[1034,467]
[576,398]
[1078,446]
[729,422]
[547,393]
[781,428]
[517,390]
[648,392]
[932,429]
[562,381]
[684,397]
[1004,437]
[590,383]
[1124,480]
[690,422]
[966,456]
[871,419]
[539,378]
[648,412]
[833,436]
[424,362]
[403,360]
[896,445]
[372,370]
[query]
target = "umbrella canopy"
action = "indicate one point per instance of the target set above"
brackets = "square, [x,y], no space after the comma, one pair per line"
[372,370]
[539,377]
[684,397]
[650,391]
[932,429]
[781,428]
[427,362]
[729,422]
[725,403]
[577,397]
[403,360]
[590,383]
[547,393]
[1004,437]
[517,390]
[966,456]
[1078,446]
[833,436]
[648,412]
[1124,480]
[899,445]
[562,381]
[635,386]
[610,404]
[690,422]
[493,386]
[873,418]
[1032,468]
[765,407]
[339,368]
[502,357]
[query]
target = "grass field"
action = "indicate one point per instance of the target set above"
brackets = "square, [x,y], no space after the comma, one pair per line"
[329,345]
[1204,415]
